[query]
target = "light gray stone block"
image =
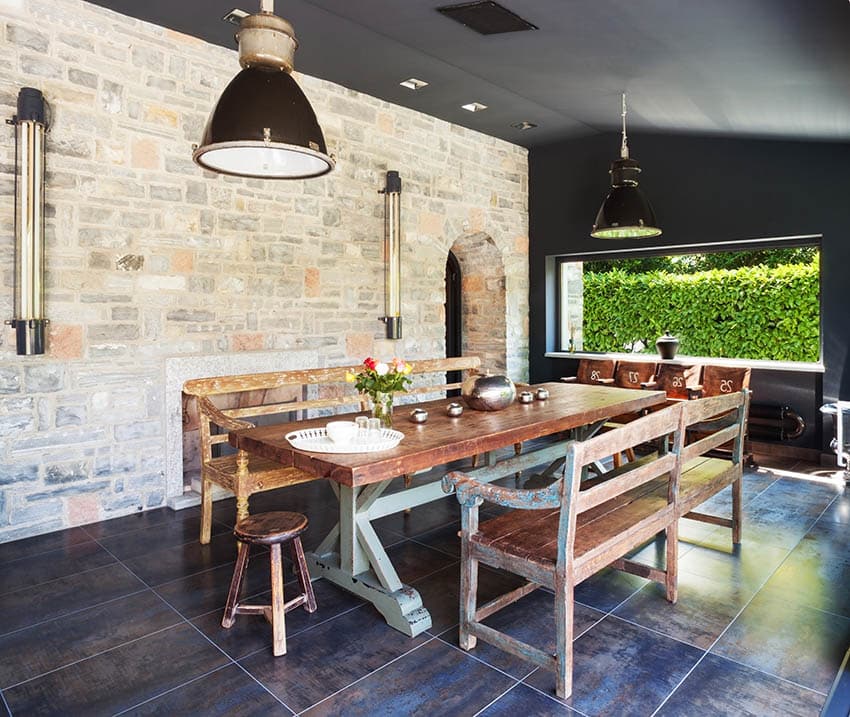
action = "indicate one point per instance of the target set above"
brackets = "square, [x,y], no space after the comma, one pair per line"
[44,378]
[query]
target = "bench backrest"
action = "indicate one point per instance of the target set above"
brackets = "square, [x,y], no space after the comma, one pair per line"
[720,419]
[676,379]
[666,463]
[595,370]
[631,374]
[719,380]
[318,390]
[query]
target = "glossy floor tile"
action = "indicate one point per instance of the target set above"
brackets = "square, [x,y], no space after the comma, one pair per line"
[447,682]
[622,669]
[328,658]
[120,678]
[228,692]
[718,686]
[792,641]
[124,617]
[51,645]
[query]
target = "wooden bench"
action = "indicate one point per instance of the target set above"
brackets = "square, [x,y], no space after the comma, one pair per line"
[593,371]
[560,535]
[283,396]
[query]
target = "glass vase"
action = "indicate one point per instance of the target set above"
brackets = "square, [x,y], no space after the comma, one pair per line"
[382,408]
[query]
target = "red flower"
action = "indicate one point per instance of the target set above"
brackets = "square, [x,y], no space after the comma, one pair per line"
[370,363]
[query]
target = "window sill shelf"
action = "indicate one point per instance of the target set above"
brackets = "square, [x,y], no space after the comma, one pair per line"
[798,366]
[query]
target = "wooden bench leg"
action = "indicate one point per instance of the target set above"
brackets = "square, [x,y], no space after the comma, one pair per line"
[737,490]
[671,581]
[564,628]
[468,598]
[235,585]
[278,608]
[206,509]
[303,574]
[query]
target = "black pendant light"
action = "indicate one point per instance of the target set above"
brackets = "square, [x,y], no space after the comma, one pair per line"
[625,213]
[263,125]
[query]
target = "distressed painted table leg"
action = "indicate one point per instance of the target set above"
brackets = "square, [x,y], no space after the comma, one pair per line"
[353,557]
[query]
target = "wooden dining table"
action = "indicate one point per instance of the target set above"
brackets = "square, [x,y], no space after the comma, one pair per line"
[352,555]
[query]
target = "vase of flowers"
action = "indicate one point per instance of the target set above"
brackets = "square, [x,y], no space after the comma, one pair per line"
[379,380]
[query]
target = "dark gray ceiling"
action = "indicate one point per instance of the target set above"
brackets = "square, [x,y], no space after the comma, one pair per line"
[764,68]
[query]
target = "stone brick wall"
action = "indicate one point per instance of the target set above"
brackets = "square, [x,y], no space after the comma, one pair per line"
[148,257]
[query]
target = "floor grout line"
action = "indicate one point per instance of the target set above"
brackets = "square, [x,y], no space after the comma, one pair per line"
[63,577]
[66,615]
[496,699]
[93,655]
[228,657]
[368,674]
[170,690]
[5,703]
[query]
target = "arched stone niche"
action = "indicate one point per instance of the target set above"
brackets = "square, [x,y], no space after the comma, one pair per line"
[484,320]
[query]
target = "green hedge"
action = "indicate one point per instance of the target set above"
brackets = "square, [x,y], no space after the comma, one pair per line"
[754,312]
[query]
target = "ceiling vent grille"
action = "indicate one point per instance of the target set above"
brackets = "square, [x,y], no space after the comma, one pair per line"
[486,17]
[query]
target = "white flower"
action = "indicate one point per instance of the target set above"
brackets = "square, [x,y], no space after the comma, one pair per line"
[382,369]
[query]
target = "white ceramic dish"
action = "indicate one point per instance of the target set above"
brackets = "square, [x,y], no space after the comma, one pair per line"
[315,440]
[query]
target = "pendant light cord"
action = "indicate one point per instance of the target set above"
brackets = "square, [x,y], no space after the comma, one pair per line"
[624,147]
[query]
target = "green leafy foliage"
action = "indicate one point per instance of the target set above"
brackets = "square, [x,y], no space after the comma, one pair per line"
[692,263]
[756,312]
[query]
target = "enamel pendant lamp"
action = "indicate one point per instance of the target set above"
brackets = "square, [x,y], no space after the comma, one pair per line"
[263,125]
[625,213]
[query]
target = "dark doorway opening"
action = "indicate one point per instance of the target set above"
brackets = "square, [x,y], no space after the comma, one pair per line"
[454,313]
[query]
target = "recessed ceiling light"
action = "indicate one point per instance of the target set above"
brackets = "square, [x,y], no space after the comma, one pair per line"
[524,125]
[234,17]
[414,84]
[474,107]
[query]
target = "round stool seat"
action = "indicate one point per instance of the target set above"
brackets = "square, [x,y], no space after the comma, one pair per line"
[270,528]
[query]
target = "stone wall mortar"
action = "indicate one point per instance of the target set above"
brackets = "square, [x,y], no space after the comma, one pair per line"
[148,257]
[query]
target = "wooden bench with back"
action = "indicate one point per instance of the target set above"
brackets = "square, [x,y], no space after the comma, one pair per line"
[317,391]
[562,534]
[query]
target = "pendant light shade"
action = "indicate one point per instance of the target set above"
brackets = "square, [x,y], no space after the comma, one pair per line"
[263,125]
[626,213]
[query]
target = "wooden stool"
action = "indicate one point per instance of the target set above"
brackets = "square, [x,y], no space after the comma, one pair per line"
[270,529]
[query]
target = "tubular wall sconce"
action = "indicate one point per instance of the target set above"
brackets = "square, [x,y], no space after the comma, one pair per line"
[30,127]
[392,255]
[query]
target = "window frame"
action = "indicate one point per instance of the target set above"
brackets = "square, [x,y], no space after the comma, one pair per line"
[790,242]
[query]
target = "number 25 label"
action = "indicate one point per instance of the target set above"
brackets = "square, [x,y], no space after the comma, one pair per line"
[726,385]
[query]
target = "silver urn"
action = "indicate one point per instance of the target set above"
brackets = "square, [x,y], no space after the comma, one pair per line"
[488,393]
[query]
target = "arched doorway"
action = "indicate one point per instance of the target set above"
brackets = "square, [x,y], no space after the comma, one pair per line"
[483,305]
[453,313]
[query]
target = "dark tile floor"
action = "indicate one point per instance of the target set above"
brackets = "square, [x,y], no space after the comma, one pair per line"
[122,617]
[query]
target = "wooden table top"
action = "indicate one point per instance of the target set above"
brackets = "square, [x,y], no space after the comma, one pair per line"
[442,439]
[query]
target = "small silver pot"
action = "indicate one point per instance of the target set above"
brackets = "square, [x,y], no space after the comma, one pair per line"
[419,415]
[454,410]
[542,394]
[526,397]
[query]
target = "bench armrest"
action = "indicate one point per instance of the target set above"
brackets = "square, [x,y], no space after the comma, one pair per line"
[606,381]
[468,490]
[649,385]
[569,379]
[206,407]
